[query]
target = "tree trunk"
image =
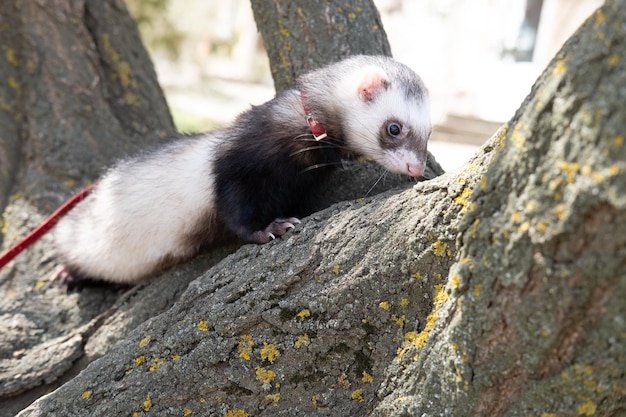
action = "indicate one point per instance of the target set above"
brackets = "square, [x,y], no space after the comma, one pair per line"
[497,291]
[77,91]
[302,36]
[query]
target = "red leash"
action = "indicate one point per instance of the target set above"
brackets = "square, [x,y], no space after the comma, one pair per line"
[44,227]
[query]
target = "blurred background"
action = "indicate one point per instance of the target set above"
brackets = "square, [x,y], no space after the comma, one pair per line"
[479,59]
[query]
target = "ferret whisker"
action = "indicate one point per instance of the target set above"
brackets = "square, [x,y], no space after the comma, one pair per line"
[305,137]
[383,175]
[316,166]
[310,148]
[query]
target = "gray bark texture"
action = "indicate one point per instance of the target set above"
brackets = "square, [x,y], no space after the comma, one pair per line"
[78,92]
[304,35]
[497,290]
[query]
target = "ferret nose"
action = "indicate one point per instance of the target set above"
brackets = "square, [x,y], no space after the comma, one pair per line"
[415,170]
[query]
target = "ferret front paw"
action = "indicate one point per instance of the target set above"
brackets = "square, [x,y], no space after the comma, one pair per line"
[278,227]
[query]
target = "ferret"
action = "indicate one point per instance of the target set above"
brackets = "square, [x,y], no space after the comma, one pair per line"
[253,179]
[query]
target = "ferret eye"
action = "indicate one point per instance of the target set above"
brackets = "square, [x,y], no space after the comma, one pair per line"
[394,129]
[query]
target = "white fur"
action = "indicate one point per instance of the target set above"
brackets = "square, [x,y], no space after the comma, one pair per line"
[140,213]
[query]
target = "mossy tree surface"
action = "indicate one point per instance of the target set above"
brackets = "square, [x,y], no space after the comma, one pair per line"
[495,291]
[302,36]
[536,321]
[77,90]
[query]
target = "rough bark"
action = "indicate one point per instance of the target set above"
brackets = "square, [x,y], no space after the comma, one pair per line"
[495,291]
[302,36]
[532,320]
[79,92]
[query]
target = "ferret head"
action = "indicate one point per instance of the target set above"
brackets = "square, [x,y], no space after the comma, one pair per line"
[382,107]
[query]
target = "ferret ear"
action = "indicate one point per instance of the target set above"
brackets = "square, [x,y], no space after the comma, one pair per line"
[372,84]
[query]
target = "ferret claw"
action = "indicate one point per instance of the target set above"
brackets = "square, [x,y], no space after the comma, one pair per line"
[64,279]
[278,227]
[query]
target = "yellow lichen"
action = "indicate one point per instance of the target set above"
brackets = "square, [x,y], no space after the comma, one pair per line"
[39,284]
[367,378]
[143,342]
[86,395]
[404,302]
[131,99]
[336,269]
[13,83]
[455,280]
[385,305]
[187,412]
[357,395]
[315,399]
[399,320]
[273,397]
[571,168]
[600,18]
[203,326]
[542,227]
[524,227]
[476,290]
[559,211]
[301,341]
[459,377]
[417,275]
[269,352]
[462,199]
[613,60]
[560,67]
[122,68]
[618,141]
[587,409]
[237,412]
[11,59]
[265,375]
[147,404]
[417,340]
[245,346]
[439,248]
[139,360]
[175,357]
[304,313]
[518,136]
[156,364]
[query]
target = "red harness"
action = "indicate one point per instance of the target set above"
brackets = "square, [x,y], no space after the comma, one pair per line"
[46,225]
[317,129]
